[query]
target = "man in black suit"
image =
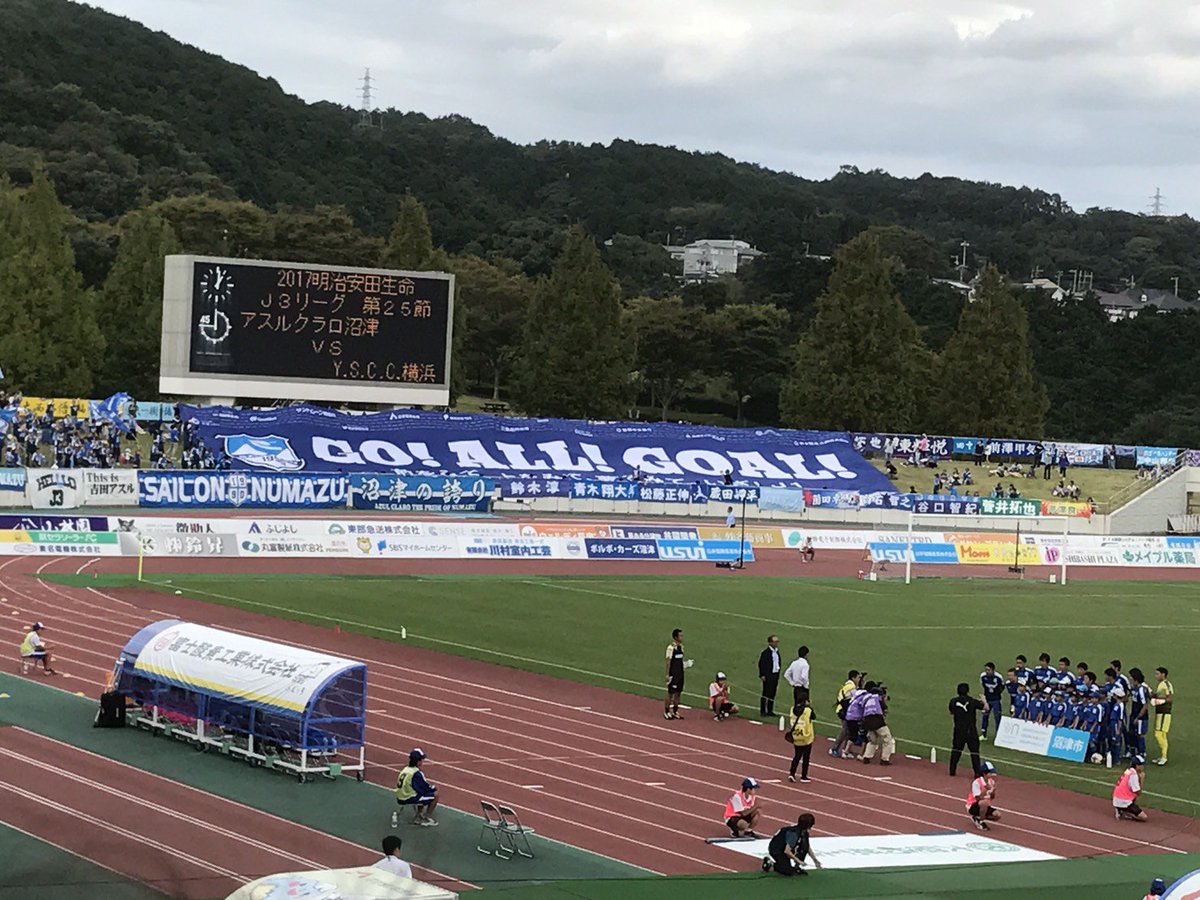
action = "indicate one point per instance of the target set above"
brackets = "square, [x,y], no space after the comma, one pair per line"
[768,674]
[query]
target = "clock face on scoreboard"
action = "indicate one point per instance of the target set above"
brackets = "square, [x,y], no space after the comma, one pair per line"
[256,318]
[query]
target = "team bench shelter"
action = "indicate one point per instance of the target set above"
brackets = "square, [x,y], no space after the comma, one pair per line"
[271,704]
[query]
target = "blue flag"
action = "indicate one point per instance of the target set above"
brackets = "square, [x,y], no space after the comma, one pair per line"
[110,410]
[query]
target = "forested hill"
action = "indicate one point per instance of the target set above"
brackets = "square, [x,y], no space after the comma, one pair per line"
[122,116]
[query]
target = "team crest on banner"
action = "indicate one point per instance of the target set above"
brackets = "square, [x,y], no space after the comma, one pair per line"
[269,452]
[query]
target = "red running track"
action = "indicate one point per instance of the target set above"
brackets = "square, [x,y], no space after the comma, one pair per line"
[588,766]
[179,840]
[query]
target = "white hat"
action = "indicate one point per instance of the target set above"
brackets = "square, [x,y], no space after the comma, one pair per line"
[38,626]
[720,676]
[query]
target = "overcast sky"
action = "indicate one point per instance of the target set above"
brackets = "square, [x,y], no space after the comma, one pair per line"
[1098,100]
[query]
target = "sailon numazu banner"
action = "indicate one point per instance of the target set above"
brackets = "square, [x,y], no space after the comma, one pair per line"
[430,443]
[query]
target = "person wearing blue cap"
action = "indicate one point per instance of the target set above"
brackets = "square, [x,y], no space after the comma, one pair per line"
[741,810]
[413,790]
[1158,887]
[981,796]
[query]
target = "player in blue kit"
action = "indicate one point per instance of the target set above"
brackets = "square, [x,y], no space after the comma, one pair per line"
[1020,703]
[1056,711]
[1139,713]
[1043,670]
[1114,723]
[1022,670]
[1012,685]
[1089,721]
[1037,707]
[993,690]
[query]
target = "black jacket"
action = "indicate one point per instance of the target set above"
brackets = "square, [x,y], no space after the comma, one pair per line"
[765,664]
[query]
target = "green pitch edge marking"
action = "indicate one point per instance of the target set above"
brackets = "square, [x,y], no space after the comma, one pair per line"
[357,812]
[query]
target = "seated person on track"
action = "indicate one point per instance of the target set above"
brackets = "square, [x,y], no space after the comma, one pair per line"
[413,790]
[34,648]
[718,699]
[741,810]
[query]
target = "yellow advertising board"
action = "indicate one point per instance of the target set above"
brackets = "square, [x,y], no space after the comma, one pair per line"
[994,553]
[62,406]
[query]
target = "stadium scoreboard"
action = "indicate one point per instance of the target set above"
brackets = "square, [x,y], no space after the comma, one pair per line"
[280,330]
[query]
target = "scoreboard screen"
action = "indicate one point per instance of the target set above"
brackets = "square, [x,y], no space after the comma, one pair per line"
[299,324]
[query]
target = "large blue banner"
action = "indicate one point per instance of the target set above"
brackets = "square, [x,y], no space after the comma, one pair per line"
[12,479]
[242,489]
[1152,456]
[430,443]
[37,522]
[398,494]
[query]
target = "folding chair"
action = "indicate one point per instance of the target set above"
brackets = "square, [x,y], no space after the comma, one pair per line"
[493,824]
[514,829]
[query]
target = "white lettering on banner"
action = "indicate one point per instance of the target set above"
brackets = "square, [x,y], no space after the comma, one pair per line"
[795,462]
[561,459]
[651,460]
[753,464]
[471,456]
[335,451]
[515,454]
[833,464]
[236,490]
[385,454]
[1029,737]
[703,462]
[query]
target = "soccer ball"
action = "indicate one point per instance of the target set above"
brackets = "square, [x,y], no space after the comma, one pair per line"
[1097,758]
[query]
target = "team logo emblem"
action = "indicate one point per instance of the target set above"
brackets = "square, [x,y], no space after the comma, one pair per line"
[267,452]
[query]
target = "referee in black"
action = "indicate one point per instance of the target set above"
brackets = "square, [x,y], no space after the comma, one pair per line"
[965,709]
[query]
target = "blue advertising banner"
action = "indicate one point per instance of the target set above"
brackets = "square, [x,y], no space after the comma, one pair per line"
[920,553]
[12,479]
[396,493]
[36,522]
[430,443]
[621,548]
[901,444]
[1153,456]
[705,551]
[1068,743]
[241,489]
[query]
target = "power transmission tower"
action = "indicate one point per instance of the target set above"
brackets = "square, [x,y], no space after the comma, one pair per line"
[1157,206]
[366,117]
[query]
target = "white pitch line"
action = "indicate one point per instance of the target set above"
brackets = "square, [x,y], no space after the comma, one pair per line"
[654,783]
[482,709]
[532,787]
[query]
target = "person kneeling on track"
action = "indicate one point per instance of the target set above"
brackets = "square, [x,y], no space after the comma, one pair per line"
[790,846]
[718,699]
[981,796]
[741,810]
[413,790]
[1127,789]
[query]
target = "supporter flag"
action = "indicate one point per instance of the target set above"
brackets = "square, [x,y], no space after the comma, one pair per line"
[110,409]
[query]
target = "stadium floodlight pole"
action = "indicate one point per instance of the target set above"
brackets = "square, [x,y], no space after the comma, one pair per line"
[908,549]
[742,542]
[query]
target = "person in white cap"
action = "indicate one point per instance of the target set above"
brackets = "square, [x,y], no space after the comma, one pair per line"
[741,810]
[34,648]
[718,699]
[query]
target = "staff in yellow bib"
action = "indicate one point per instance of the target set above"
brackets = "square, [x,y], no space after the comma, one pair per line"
[1164,695]
[801,736]
[413,790]
[33,648]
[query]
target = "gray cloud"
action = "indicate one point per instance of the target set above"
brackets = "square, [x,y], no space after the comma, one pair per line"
[1094,101]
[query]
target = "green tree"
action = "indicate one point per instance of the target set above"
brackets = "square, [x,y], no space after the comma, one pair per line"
[325,234]
[49,341]
[575,358]
[671,346]
[495,297]
[748,345]
[410,244]
[986,383]
[209,226]
[132,303]
[860,365]
[640,266]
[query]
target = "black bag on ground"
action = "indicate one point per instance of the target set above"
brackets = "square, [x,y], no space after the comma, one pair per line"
[111,713]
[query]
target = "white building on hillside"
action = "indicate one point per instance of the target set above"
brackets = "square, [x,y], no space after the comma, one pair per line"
[712,258]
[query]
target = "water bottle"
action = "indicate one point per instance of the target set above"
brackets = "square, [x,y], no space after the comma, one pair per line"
[395,819]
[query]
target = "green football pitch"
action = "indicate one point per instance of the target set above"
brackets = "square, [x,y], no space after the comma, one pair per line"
[920,640]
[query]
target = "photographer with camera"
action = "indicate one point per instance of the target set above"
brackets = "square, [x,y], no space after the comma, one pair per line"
[879,736]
